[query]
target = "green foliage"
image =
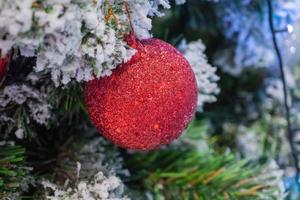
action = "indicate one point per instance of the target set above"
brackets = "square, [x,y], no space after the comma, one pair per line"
[198,168]
[11,169]
[69,105]
[268,134]
[189,174]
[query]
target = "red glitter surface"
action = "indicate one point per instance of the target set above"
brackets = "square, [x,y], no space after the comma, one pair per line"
[146,102]
[3,64]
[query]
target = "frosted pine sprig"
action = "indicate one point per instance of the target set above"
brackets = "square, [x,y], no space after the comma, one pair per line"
[74,40]
[29,105]
[97,187]
[205,73]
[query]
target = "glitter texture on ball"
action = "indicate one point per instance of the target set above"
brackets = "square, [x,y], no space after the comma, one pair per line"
[3,64]
[146,102]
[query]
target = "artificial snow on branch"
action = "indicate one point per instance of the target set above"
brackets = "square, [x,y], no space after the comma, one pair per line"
[99,187]
[205,73]
[22,104]
[74,40]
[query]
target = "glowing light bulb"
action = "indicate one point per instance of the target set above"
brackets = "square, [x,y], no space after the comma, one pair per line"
[290,28]
[292,49]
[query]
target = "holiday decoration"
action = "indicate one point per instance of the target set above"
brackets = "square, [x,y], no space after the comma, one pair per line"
[146,102]
[140,93]
[3,64]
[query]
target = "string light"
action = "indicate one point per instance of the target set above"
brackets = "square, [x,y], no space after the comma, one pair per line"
[290,136]
[290,28]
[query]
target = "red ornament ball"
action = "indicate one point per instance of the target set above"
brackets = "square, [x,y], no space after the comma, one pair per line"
[146,102]
[3,64]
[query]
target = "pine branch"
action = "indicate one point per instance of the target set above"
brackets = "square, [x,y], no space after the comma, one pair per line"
[189,174]
[12,170]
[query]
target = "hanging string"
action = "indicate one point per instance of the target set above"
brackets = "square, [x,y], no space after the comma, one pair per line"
[127,9]
[111,16]
[131,38]
[290,136]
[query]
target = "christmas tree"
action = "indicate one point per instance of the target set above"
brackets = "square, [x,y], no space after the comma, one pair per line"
[149,99]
